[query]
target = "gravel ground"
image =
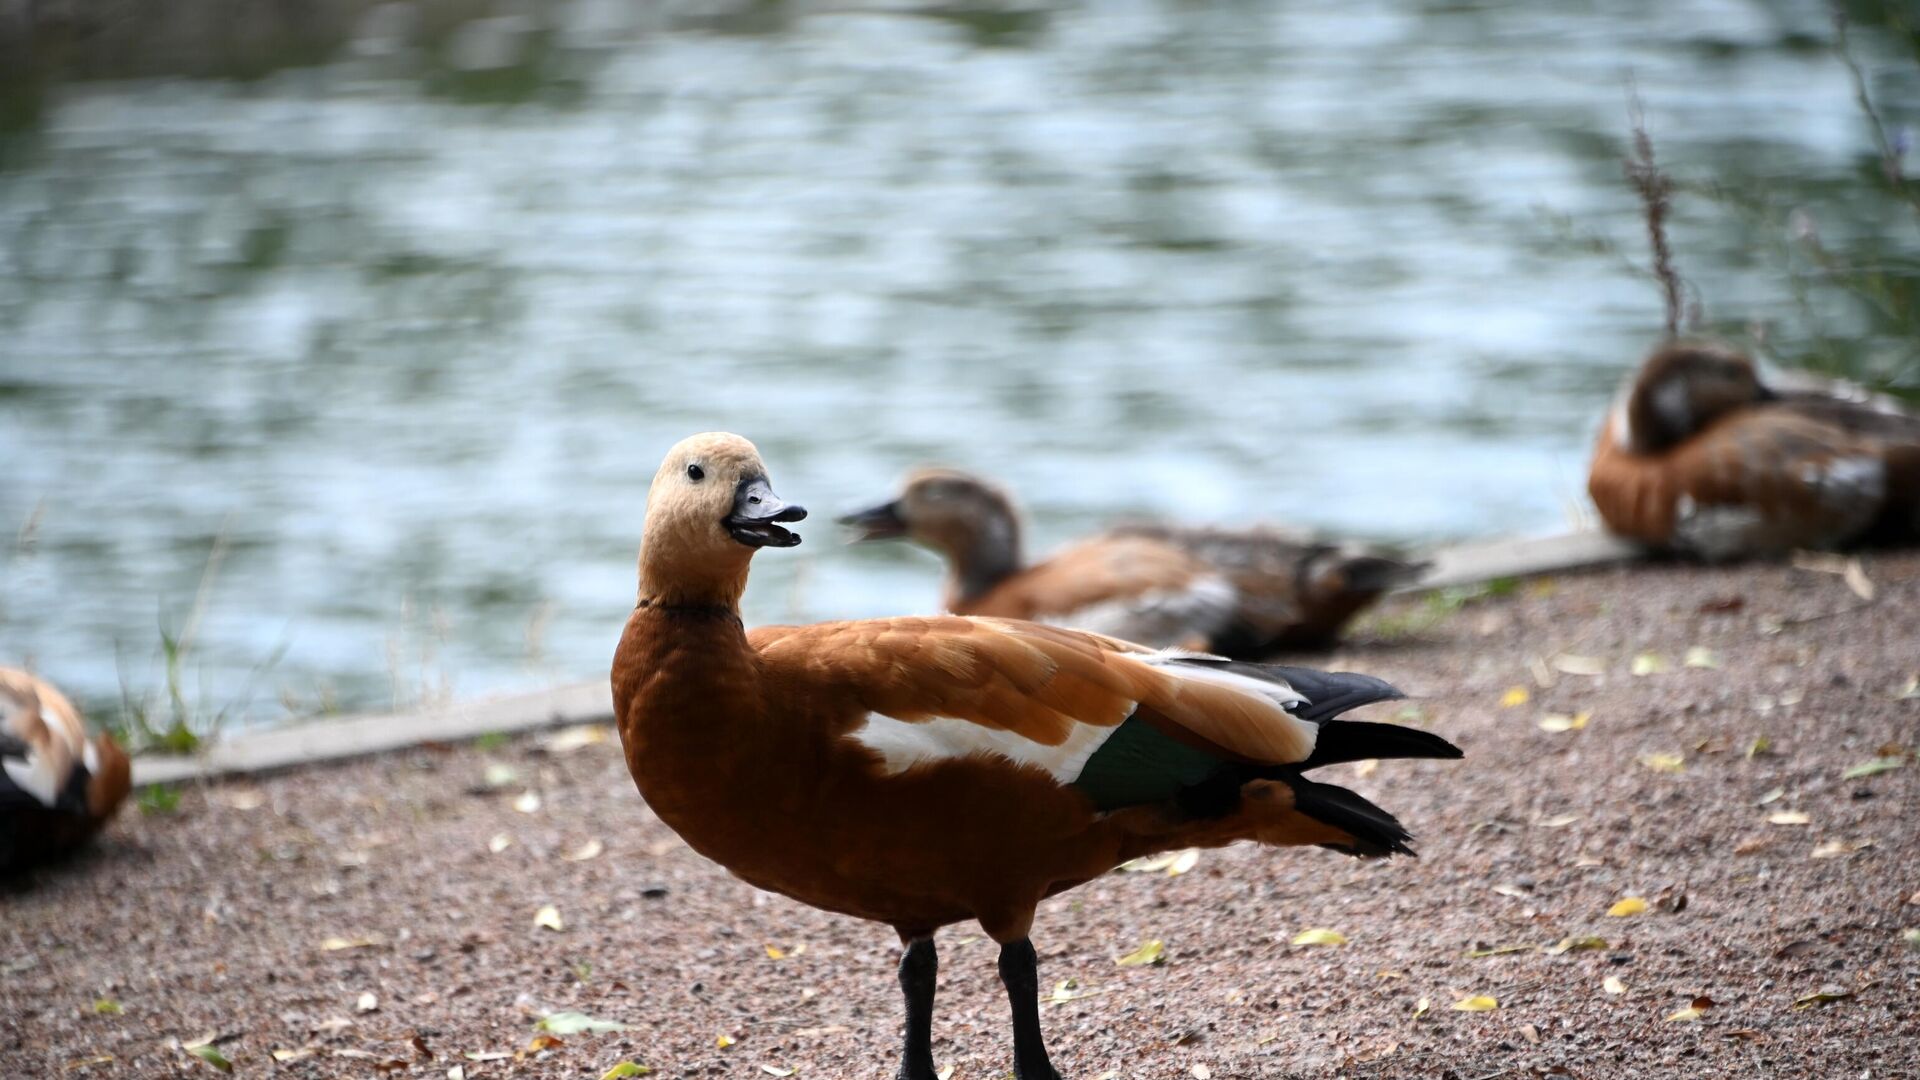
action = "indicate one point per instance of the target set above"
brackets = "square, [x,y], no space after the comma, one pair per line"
[216,919]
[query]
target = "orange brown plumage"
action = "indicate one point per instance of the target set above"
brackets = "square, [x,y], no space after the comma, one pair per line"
[923,771]
[57,786]
[1240,592]
[1701,456]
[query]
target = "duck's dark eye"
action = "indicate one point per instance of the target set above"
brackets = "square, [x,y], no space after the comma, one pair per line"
[696,474]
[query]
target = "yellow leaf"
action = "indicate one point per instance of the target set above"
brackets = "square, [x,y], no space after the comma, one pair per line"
[1149,952]
[292,1055]
[589,850]
[1499,950]
[1686,1016]
[1574,664]
[723,1041]
[1788,817]
[1066,990]
[1420,1008]
[548,918]
[1663,762]
[1870,768]
[1575,944]
[624,1070]
[108,1007]
[338,944]
[1649,664]
[775,952]
[1760,745]
[1186,861]
[1319,935]
[1151,863]
[567,740]
[1698,657]
[1834,849]
[1627,906]
[1558,722]
[1825,996]
[1515,695]
[1476,1003]
[1558,821]
[1613,985]
[544,1042]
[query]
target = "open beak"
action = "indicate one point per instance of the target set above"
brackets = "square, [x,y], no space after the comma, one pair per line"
[756,510]
[881,522]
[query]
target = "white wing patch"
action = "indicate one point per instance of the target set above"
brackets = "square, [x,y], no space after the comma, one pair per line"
[903,745]
[1202,610]
[34,775]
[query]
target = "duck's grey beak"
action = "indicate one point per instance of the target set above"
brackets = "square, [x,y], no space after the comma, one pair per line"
[881,522]
[756,509]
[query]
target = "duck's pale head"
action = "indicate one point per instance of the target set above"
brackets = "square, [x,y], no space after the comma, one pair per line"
[709,509]
[1681,389]
[945,509]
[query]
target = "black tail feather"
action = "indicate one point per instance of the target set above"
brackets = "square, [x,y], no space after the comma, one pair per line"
[1380,573]
[1330,693]
[1375,832]
[1358,740]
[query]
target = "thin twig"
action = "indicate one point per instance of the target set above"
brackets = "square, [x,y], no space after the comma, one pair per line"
[1890,154]
[1655,189]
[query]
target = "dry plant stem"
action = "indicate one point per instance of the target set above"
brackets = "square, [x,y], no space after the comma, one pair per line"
[1655,189]
[1889,156]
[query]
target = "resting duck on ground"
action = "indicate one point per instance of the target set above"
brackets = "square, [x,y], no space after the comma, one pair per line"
[57,788]
[925,771]
[1702,457]
[1239,592]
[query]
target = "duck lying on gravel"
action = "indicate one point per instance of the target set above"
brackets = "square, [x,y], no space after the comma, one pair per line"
[924,771]
[1701,456]
[1239,592]
[57,788]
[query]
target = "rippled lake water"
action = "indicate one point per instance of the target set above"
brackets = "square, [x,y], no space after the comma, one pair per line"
[361,369]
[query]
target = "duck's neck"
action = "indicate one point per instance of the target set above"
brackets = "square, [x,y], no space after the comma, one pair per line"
[987,557]
[673,579]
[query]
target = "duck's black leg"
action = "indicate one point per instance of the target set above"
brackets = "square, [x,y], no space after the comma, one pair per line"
[918,966]
[1019,971]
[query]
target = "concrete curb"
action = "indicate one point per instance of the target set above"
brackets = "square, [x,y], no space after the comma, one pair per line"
[592,702]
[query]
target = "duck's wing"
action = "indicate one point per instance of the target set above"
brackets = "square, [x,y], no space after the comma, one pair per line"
[1127,587]
[1763,480]
[1127,723]
[1289,587]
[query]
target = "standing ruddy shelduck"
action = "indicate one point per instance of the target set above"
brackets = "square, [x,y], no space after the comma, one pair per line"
[923,771]
[57,787]
[1239,592]
[1703,457]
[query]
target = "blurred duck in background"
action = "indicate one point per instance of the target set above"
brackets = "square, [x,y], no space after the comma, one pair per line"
[1702,457]
[57,787]
[1241,593]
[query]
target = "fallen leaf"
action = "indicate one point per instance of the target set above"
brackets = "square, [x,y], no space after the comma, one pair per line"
[1476,1003]
[1152,863]
[1750,845]
[1699,657]
[498,775]
[1514,891]
[1627,906]
[1664,762]
[1834,849]
[1760,745]
[945,1072]
[1558,722]
[1575,944]
[1575,664]
[246,799]
[548,918]
[1201,1072]
[626,1069]
[1686,1016]
[1530,1033]
[1319,936]
[1420,1008]
[1366,768]
[1613,985]
[499,843]
[576,1023]
[74,1066]
[1558,821]
[293,1055]
[1066,990]
[340,944]
[1856,578]
[211,1055]
[1870,768]
[1515,695]
[1186,861]
[1824,996]
[1149,952]
[1788,817]
[367,1003]
[1911,935]
[1772,796]
[589,850]
[775,1070]
[527,803]
[1649,664]
[1499,950]
[544,1042]
[723,1041]
[107,1007]
[578,737]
